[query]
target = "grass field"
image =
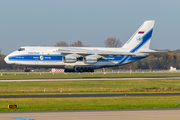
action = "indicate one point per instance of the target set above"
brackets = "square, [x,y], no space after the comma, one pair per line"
[83,87]
[81,75]
[40,104]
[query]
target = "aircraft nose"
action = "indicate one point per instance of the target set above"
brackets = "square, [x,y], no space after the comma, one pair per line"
[6,59]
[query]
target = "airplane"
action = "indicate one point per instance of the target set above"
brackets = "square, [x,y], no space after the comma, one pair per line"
[86,59]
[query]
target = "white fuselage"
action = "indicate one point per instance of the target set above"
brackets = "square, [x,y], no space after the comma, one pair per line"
[50,57]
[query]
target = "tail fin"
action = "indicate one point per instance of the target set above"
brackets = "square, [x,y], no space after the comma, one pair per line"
[141,38]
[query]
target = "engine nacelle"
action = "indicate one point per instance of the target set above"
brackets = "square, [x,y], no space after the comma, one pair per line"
[91,59]
[69,58]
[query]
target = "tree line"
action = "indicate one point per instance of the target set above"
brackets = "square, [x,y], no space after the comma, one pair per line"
[77,43]
[109,42]
[158,61]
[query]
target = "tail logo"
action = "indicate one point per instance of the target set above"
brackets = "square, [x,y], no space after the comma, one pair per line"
[139,39]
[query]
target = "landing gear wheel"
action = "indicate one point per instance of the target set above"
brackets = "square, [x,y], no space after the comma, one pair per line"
[88,70]
[27,70]
[85,69]
[81,70]
[77,69]
[65,70]
[92,70]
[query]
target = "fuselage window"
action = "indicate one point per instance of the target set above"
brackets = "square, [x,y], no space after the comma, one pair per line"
[21,49]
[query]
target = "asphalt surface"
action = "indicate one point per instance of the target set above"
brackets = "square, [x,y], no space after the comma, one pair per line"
[143,114]
[88,95]
[81,79]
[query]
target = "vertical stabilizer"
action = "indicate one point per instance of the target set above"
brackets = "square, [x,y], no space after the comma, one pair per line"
[141,38]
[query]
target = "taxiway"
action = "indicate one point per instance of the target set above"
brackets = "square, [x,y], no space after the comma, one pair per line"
[143,114]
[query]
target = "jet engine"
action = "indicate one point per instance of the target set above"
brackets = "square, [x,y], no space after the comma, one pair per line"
[69,58]
[91,59]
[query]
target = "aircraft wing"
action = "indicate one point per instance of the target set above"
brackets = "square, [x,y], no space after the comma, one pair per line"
[153,51]
[84,52]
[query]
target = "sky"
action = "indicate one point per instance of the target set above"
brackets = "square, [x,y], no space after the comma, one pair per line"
[45,22]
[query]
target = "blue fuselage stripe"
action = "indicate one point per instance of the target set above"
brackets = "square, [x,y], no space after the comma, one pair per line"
[91,59]
[125,58]
[59,58]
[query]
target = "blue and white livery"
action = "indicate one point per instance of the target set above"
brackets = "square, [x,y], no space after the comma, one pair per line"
[86,59]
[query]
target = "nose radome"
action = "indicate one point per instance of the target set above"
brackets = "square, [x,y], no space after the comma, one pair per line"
[6,59]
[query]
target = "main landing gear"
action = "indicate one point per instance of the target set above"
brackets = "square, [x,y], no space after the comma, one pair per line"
[80,69]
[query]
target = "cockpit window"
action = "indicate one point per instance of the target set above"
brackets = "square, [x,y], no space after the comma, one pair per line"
[21,49]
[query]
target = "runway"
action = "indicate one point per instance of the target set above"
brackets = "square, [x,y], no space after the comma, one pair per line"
[81,79]
[89,95]
[151,114]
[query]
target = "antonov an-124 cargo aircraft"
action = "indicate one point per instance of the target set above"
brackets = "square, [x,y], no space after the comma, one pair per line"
[86,59]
